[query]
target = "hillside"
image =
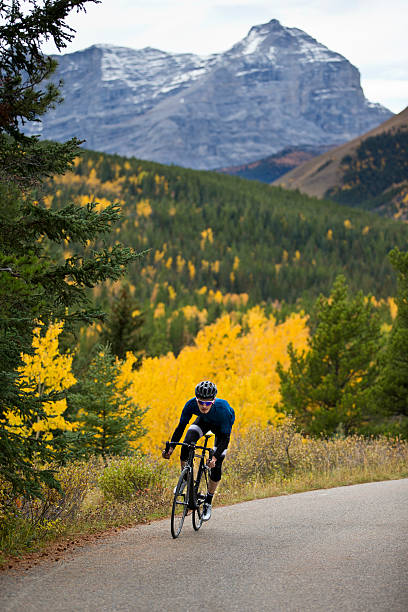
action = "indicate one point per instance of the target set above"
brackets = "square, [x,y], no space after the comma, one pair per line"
[222,243]
[272,167]
[376,175]
[276,88]
[370,171]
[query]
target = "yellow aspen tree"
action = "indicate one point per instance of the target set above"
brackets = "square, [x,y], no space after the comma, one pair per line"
[241,359]
[180,262]
[191,270]
[44,372]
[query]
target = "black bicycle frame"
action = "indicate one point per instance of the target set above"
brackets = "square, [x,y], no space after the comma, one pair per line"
[194,483]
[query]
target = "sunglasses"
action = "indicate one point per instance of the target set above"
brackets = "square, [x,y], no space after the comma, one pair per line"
[203,403]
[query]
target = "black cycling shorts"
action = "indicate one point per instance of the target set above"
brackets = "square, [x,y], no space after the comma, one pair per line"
[197,430]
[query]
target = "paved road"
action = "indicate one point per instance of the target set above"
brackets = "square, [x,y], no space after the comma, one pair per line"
[343,549]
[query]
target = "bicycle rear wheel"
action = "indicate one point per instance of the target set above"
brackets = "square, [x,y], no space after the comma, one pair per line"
[180,504]
[200,490]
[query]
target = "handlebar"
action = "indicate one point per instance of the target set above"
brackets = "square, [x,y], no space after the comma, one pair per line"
[210,451]
[189,445]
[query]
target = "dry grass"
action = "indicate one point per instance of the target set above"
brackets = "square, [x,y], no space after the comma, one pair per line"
[265,462]
[278,461]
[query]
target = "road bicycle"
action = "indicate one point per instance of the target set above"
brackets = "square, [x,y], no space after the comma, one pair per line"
[191,489]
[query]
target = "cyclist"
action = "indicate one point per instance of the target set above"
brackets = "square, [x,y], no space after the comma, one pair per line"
[215,415]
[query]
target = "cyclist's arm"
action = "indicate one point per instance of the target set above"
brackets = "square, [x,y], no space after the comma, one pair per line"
[178,432]
[185,417]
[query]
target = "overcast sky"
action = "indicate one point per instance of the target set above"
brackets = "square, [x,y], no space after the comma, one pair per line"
[371,34]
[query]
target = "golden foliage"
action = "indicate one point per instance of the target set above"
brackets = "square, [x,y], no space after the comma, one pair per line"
[241,359]
[192,312]
[172,293]
[47,199]
[228,299]
[101,203]
[180,262]
[206,235]
[143,208]
[45,371]
[158,256]
[393,307]
[159,310]
[191,270]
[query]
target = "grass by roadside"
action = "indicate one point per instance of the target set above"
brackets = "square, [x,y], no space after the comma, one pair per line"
[265,462]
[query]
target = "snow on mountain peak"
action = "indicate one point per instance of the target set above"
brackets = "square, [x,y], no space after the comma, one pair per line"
[273,40]
[251,43]
[270,90]
[311,49]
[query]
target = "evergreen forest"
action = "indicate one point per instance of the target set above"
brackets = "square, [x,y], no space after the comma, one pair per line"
[375,176]
[215,243]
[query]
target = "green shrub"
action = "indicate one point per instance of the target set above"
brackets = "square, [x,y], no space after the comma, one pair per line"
[127,476]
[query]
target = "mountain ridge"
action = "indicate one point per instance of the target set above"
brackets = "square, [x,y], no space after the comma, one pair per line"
[277,87]
[270,168]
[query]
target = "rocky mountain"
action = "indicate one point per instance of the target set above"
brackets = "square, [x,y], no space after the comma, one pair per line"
[276,88]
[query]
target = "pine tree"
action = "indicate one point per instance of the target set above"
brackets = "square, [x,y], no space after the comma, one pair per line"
[123,326]
[107,416]
[327,387]
[393,384]
[34,285]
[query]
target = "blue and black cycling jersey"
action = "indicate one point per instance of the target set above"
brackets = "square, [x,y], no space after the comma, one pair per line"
[219,420]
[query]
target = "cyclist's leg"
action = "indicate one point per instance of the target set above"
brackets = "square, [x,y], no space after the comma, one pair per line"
[196,431]
[213,482]
[215,474]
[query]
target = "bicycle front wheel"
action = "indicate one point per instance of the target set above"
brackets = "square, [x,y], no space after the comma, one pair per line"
[200,490]
[180,504]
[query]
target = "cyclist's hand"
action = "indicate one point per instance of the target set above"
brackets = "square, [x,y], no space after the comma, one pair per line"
[167,455]
[212,462]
